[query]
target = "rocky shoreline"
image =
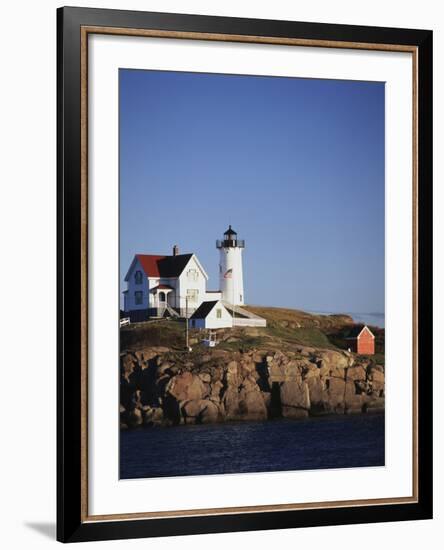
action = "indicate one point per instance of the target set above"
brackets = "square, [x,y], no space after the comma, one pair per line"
[163,387]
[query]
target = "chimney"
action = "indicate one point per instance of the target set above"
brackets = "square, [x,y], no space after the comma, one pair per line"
[175,250]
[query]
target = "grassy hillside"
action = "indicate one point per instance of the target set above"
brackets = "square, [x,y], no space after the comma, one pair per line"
[168,333]
[285,329]
[295,318]
[292,326]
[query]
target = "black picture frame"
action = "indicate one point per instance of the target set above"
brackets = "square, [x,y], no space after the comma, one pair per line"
[71,524]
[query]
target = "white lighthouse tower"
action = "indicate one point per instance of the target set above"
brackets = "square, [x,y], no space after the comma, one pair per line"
[230,267]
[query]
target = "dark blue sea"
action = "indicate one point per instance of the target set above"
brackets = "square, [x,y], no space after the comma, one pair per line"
[274,445]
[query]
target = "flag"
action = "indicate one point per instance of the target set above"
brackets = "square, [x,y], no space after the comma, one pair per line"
[228,274]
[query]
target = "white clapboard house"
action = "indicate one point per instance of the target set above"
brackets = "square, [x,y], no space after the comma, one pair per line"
[165,285]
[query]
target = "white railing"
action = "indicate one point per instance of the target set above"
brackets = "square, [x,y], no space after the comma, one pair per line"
[249,322]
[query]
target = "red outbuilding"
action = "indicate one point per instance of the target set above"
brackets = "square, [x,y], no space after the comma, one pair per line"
[361,340]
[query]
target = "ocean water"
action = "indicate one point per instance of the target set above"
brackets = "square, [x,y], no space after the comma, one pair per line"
[374,319]
[277,445]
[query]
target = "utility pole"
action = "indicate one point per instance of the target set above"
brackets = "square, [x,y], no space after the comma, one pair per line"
[186,322]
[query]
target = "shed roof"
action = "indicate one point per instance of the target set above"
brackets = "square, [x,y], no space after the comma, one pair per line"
[356,330]
[204,309]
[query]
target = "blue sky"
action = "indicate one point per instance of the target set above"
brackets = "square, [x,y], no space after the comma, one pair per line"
[295,165]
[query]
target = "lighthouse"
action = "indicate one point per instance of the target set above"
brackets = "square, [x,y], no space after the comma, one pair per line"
[230,267]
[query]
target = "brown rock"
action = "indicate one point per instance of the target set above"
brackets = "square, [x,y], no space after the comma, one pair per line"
[356,373]
[285,370]
[231,403]
[163,368]
[201,411]
[206,390]
[257,357]
[232,367]
[267,399]
[193,408]
[185,386]
[140,355]
[211,413]
[217,373]
[350,358]
[216,388]
[335,395]
[310,371]
[335,362]
[295,398]
[233,378]
[205,377]
[352,401]
[135,418]
[153,416]
[375,405]
[316,392]
[128,364]
[251,402]
[247,368]
[377,379]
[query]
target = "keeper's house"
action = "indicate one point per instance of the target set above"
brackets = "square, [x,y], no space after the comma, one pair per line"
[165,285]
[361,340]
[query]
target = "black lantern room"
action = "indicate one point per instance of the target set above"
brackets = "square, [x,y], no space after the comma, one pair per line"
[230,240]
[230,233]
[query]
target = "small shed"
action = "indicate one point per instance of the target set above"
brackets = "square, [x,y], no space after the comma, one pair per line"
[211,315]
[360,339]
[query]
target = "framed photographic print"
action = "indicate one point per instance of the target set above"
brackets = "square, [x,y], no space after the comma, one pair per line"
[244,274]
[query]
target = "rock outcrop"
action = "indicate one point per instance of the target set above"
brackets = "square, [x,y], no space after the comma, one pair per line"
[160,387]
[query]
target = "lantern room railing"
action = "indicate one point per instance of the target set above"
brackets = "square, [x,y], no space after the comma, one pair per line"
[230,243]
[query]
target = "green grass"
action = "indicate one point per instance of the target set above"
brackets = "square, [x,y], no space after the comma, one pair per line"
[285,328]
[298,318]
[247,343]
[313,337]
[378,359]
[167,333]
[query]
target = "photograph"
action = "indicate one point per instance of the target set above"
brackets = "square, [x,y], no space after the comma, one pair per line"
[251,273]
[244,273]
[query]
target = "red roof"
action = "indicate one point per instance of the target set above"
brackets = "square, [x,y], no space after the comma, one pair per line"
[149,264]
[163,287]
[163,266]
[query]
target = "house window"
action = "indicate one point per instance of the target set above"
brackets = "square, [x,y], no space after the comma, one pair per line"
[219,313]
[138,277]
[193,274]
[240,298]
[192,294]
[161,296]
[138,297]
[193,323]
